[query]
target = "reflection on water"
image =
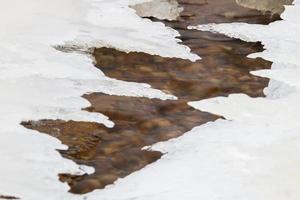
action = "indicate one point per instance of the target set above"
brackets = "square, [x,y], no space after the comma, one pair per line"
[140,122]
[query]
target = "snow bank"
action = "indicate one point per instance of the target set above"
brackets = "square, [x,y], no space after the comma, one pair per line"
[253,156]
[256,154]
[37,81]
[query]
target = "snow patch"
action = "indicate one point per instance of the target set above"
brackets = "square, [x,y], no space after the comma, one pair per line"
[160,9]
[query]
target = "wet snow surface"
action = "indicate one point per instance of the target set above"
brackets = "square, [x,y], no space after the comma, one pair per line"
[255,155]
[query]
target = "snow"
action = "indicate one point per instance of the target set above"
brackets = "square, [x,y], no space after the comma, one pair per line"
[39,82]
[255,154]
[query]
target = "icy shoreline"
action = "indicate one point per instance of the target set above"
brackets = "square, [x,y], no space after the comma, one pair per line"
[253,156]
[37,81]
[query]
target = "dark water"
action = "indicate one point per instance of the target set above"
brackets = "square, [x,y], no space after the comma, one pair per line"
[8,197]
[224,69]
[116,152]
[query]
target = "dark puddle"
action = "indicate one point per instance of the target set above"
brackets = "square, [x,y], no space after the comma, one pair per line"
[224,69]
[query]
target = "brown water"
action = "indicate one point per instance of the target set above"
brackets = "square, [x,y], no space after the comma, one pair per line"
[117,152]
[224,69]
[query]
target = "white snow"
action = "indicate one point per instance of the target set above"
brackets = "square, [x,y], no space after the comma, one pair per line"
[253,155]
[37,81]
